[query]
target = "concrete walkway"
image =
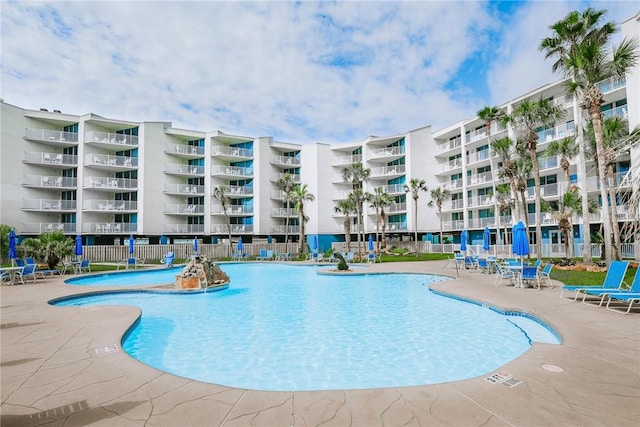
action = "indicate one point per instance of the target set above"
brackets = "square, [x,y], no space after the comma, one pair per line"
[51,373]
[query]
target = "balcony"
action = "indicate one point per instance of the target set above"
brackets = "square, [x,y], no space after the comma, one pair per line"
[275,177]
[343,195]
[481,178]
[345,161]
[50,182]
[233,210]
[454,184]
[478,156]
[110,227]
[233,172]
[456,224]
[281,229]
[56,138]
[110,184]
[286,161]
[558,132]
[184,189]
[283,213]
[391,209]
[48,227]
[111,141]
[235,228]
[183,209]
[231,153]
[114,206]
[183,229]
[393,189]
[48,205]
[183,150]
[53,160]
[388,171]
[110,162]
[481,201]
[396,226]
[550,162]
[548,190]
[452,205]
[620,111]
[450,145]
[238,191]
[452,165]
[183,170]
[387,154]
[620,180]
[611,84]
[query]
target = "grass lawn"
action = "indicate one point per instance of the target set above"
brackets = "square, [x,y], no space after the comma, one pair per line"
[587,278]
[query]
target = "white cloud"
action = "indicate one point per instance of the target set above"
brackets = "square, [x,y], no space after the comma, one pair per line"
[267,68]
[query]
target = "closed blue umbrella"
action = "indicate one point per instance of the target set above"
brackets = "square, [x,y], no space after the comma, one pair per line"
[195,244]
[520,239]
[486,239]
[78,249]
[131,244]
[13,253]
[370,242]
[463,240]
[240,244]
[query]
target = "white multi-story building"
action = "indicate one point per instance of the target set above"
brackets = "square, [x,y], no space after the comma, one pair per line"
[107,179]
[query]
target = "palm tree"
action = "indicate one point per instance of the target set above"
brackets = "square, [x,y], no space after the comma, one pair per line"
[580,44]
[299,195]
[346,208]
[439,195]
[614,129]
[221,194]
[492,114]
[49,248]
[567,149]
[570,204]
[526,117]
[379,200]
[357,174]
[505,202]
[521,172]
[504,148]
[415,186]
[286,184]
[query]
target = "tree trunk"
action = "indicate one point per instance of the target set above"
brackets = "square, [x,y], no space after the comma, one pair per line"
[415,224]
[536,183]
[441,241]
[286,228]
[614,215]
[582,175]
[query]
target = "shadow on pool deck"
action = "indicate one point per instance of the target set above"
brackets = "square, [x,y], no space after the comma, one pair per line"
[51,372]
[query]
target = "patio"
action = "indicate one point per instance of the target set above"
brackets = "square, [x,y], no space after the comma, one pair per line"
[64,365]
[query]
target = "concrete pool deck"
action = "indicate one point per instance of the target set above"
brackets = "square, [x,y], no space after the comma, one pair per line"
[59,367]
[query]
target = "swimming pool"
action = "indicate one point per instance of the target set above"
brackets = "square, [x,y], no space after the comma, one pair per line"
[280,327]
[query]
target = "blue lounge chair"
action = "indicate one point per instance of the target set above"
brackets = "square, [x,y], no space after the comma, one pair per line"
[504,274]
[601,294]
[613,281]
[168,259]
[624,297]
[28,271]
[263,255]
[483,265]
[546,274]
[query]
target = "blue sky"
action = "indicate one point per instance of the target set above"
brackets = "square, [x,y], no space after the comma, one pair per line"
[300,72]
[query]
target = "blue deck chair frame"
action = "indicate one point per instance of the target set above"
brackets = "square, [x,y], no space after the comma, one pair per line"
[602,294]
[612,281]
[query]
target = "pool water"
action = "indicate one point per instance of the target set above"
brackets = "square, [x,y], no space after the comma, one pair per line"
[280,327]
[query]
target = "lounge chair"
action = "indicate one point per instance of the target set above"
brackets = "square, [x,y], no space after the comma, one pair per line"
[601,294]
[131,263]
[168,259]
[28,271]
[625,297]
[263,255]
[483,265]
[612,281]
[85,266]
[545,274]
[350,257]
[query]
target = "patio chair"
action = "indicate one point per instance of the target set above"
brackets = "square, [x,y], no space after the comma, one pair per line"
[350,257]
[545,274]
[530,274]
[470,263]
[483,265]
[28,271]
[131,262]
[601,294]
[270,255]
[168,259]
[85,266]
[612,281]
[263,255]
[504,274]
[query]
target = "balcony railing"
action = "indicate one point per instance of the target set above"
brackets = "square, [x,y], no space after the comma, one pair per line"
[48,227]
[216,209]
[225,151]
[476,134]
[392,208]
[183,209]
[452,164]
[105,161]
[396,226]
[280,229]
[453,184]
[347,160]
[231,171]
[388,171]
[283,212]
[54,137]
[393,188]
[611,83]
[385,152]
[48,205]
[285,161]
[620,111]
[453,204]
[593,182]
[558,132]
[184,150]
[275,177]
[184,189]
[480,201]
[235,228]
[183,169]
[456,224]
[54,182]
[478,156]
[110,183]
[57,160]
[109,205]
[481,178]
[547,190]
[342,195]
[183,228]
[110,227]
[548,162]
[451,144]
[111,139]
